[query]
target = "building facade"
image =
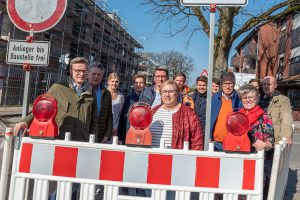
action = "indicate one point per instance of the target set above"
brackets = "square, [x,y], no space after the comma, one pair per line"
[274,49]
[88,29]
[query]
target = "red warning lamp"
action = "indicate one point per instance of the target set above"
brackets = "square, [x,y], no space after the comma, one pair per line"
[44,111]
[140,118]
[237,139]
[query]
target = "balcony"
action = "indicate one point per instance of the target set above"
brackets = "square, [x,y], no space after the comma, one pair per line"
[295,38]
[243,62]
[250,50]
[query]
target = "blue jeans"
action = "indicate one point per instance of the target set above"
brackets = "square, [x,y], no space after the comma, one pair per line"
[218,146]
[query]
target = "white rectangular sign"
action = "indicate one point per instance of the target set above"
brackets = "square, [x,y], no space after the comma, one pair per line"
[217,2]
[34,53]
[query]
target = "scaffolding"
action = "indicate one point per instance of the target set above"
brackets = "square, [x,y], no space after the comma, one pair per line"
[89,29]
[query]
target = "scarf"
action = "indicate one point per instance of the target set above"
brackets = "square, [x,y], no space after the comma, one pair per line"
[253,114]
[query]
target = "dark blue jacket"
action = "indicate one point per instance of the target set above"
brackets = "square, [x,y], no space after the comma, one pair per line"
[124,122]
[200,107]
[216,107]
[148,95]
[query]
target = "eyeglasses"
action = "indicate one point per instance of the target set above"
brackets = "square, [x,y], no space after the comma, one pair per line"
[168,91]
[251,98]
[78,71]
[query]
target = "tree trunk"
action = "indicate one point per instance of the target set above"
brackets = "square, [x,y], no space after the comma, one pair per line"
[222,41]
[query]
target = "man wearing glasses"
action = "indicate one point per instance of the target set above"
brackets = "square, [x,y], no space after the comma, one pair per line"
[223,103]
[77,107]
[279,108]
[151,95]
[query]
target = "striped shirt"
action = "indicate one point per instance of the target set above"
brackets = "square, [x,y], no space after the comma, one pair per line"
[161,128]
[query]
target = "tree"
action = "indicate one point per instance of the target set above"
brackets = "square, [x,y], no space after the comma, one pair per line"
[174,61]
[232,21]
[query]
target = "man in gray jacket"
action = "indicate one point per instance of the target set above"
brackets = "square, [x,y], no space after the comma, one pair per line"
[279,108]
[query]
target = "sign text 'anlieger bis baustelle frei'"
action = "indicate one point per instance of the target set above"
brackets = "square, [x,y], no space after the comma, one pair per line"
[34,53]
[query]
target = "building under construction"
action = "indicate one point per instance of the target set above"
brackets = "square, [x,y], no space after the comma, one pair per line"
[88,29]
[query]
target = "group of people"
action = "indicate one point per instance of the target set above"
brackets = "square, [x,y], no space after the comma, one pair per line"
[86,107]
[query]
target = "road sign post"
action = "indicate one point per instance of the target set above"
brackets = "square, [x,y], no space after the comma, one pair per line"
[213,7]
[32,16]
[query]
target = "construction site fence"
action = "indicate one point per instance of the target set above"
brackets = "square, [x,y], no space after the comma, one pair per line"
[44,162]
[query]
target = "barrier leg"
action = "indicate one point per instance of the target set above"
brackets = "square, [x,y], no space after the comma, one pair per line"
[41,189]
[206,196]
[274,172]
[159,194]
[6,162]
[110,192]
[182,195]
[230,197]
[87,192]
[19,189]
[64,191]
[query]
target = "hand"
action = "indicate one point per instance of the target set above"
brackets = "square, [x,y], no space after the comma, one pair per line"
[289,140]
[19,126]
[259,145]
[104,140]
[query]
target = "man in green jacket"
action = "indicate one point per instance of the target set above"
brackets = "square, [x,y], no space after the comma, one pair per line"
[279,108]
[104,102]
[76,105]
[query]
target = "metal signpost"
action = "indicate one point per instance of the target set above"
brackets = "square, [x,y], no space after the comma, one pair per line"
[32,16]
[213,7]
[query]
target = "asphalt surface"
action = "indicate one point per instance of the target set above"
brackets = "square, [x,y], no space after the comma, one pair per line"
[11,115]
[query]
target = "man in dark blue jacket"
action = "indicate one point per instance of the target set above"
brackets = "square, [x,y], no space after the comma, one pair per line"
[139,83]
[199,97]
[151,95]
[223,103]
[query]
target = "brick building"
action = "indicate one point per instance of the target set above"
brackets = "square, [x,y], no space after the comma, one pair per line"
[274,49]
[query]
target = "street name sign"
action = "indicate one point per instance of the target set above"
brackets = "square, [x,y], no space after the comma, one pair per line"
[34,53]
[217,2]
[36,15]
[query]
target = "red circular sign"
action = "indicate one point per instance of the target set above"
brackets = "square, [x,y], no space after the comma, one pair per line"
[36,15]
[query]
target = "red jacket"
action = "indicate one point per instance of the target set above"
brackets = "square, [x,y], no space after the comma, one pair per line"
[185,127]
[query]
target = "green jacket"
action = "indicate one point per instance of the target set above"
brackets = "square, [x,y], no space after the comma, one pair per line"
[76,114]
[105,117]
[281,114]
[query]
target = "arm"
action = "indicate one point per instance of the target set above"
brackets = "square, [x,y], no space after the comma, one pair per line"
[286,120]
[26,121]
[123,120]
[266,139]
[196,134]
[109,119]
[94,118]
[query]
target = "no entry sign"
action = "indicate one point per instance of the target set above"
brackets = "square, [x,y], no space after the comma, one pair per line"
[35,15]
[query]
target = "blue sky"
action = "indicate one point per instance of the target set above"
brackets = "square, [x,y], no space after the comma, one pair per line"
[143,25]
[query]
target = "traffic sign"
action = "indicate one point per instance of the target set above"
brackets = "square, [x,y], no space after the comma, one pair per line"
[36,15]
[34,53]
[217,2]
[204,73]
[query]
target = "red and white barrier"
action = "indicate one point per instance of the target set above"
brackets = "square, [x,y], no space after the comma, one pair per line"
[6,162]
[117,166]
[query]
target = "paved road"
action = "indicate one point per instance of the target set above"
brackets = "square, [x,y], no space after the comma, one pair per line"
[293,186]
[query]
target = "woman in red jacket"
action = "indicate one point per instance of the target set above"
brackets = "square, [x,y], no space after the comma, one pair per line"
[174,123]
